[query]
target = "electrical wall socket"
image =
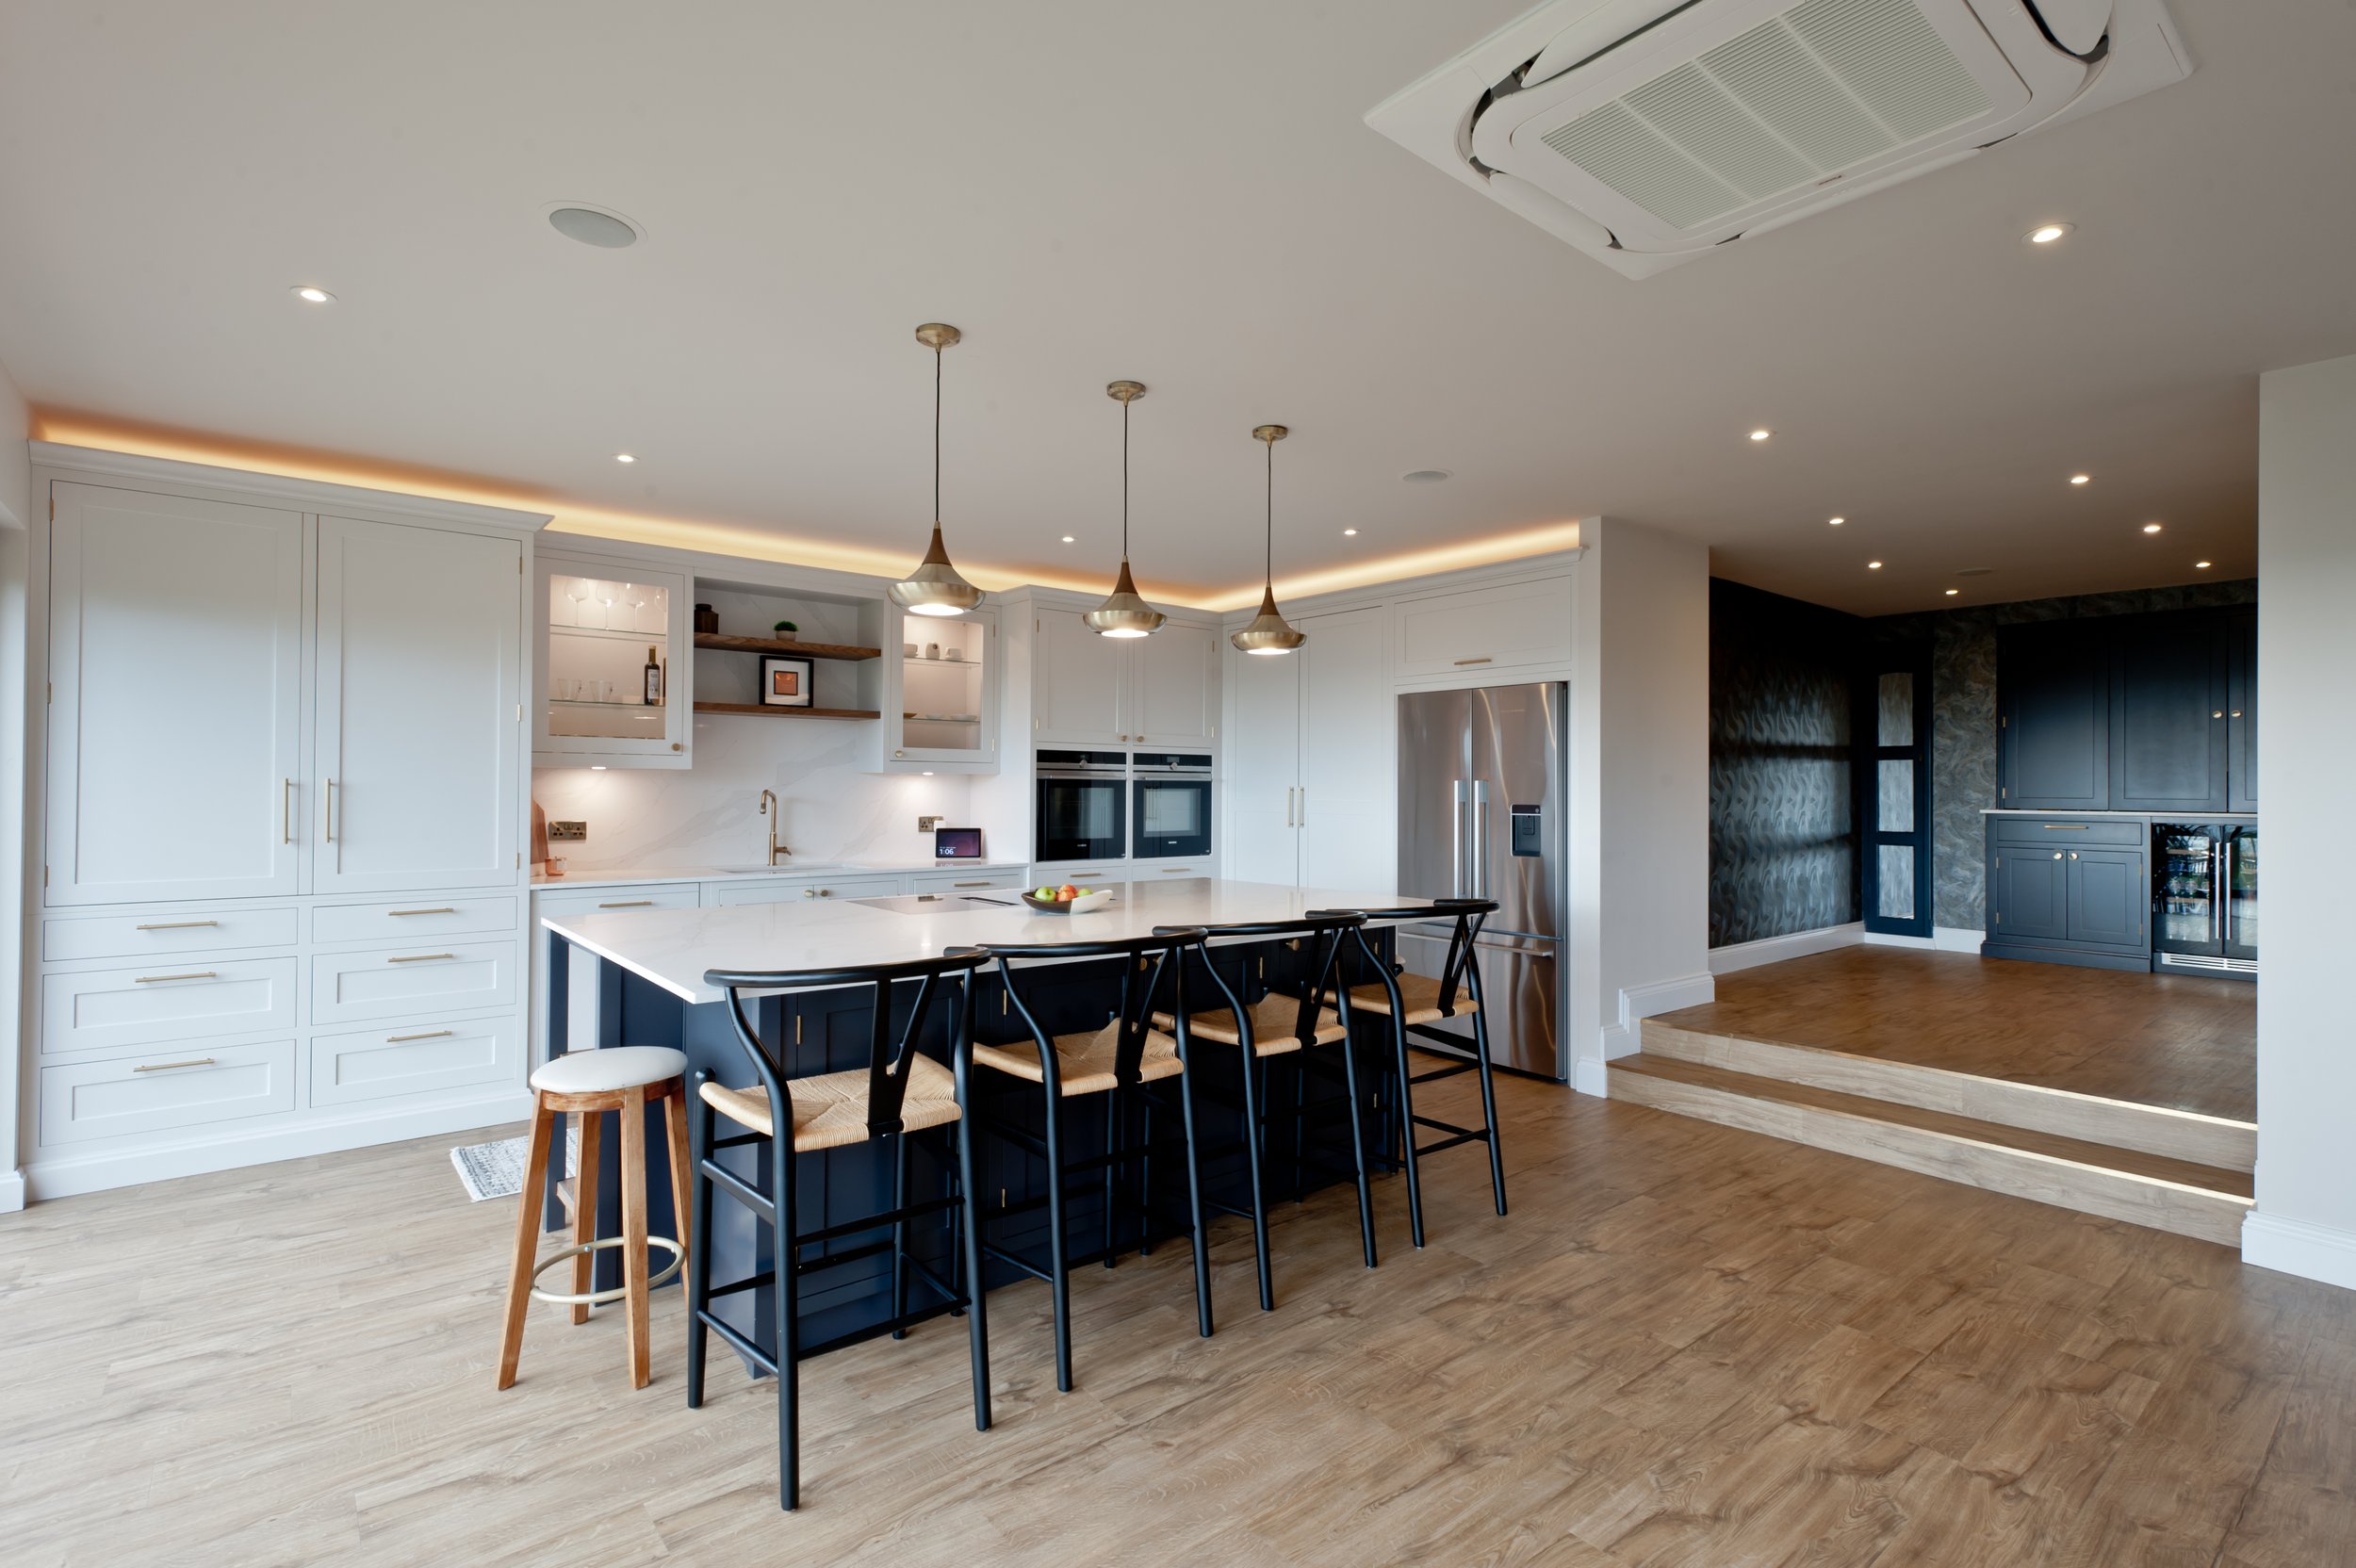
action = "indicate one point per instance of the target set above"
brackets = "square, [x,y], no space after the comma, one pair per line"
[925,824]
[567,832]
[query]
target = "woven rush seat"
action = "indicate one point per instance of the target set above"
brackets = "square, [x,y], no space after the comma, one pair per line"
[830,1108]
[1274,1018]
[1418,993]
[1084,1062]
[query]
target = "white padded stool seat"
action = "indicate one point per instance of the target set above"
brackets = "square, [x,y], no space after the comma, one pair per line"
[620,1066]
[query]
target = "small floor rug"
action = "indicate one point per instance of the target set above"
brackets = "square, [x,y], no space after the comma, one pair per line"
[497,1169]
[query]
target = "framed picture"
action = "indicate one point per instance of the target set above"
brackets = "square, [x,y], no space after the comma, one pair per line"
[784,682]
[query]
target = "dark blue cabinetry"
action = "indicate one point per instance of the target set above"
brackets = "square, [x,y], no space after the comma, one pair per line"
[2053,686]
[2069,890]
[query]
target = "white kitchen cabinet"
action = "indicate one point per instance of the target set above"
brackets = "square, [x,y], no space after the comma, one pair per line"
[940,702]
[175,660]
[413,1058]
[180,999]
[1309,766]
[1471,631]
[417,982]
[761,890]
[596,622]
[420,701]
[187,1086]
[1160,691]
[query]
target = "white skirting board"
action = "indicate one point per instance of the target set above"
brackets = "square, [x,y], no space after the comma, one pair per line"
[1638,1003]
[11,1191]
[1824,938]
[2300,1246]
[93,1173]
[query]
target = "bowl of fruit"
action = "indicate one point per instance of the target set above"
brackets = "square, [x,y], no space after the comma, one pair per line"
[1067,899]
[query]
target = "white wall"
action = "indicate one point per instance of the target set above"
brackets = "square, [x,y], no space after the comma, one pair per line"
[1640,770]
[16,514]
[2305,1220]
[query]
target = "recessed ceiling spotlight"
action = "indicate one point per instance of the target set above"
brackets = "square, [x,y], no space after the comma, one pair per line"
[1835,522]
[1067,538]
[625,457]
[1426,475]
[2150,527]
[311,294]
[607,231]
[2202,565]
[1349,533]
[1761,433]
[1872,566]
[2080,478]
[1952,591]
[2046,234]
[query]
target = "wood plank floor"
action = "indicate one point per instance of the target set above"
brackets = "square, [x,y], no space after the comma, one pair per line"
[2189,1043]
[1689,1345]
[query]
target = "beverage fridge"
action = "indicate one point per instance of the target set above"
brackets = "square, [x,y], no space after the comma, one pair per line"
[1481,790]
[2205,898]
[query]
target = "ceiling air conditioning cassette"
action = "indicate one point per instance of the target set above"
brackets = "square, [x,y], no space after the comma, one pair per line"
[1648,133]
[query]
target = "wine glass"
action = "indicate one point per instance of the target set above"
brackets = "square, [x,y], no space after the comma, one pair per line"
[578,593]
[635,597]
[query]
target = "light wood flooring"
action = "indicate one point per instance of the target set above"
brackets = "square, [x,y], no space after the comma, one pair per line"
[1688,1344]
[2188,1043]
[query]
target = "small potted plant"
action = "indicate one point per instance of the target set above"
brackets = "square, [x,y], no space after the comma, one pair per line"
[784,632]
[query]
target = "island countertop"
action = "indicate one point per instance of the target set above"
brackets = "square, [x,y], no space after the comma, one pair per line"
[673,948]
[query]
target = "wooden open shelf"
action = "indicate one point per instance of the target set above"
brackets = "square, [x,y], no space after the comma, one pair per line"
[766,711]
[723,642]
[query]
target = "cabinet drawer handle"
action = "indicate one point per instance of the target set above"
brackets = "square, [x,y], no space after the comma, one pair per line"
[1483,659]
[327,811]
[629,904]
[166,1067]
[2074,855]
[2069,826]
[285,811]
[983,883]
[159,979]
[445,909]
[1177,870]
[2057,855]
[174,924]
[420,957]
[429,1034]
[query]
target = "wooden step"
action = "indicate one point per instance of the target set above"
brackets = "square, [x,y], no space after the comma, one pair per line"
[2206,1140]
[2165,1193]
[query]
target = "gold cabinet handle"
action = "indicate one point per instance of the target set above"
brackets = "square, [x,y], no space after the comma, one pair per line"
[1177,870]
[629,904]
[2057,855]
[2067,826]
[429,1034]
[445,909]
[420,957]
[2074,855]
[159,979]
[327,811]
[1483,659]
[174,924]
[285,811]
[983,883]
[166,1067]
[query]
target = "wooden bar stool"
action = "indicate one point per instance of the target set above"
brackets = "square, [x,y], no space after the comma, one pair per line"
[1415,1005]
[587,1084]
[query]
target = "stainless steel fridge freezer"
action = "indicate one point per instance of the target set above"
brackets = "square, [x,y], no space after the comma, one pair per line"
[1482,797]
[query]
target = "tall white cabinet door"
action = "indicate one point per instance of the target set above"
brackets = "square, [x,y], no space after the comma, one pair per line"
[1349,733]
[420,678]
[174,723]
[1261,762]
[1079,684]
[1175,678]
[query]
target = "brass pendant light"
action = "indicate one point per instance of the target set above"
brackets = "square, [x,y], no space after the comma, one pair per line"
[1267,633]
[935,588]
[1125,612]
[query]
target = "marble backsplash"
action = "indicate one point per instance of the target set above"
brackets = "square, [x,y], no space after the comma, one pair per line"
[708,815]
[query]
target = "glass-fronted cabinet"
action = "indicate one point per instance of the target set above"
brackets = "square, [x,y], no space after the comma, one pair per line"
[944,718]
[615,673]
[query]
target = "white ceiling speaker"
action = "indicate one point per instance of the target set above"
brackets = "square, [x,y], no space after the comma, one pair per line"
[607,231]
[1649,131]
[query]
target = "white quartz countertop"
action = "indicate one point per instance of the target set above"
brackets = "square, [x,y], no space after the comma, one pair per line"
[673,948]
[609,876]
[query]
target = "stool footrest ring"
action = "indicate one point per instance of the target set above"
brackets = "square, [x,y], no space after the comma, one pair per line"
[603,1297]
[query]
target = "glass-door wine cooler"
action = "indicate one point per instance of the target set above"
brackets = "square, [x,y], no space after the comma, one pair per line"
[2205,898]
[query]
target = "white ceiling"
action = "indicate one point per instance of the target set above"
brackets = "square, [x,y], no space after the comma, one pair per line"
[1185,195]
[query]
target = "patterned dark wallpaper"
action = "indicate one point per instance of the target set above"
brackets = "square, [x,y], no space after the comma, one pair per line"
[1783,843]
[1963,718]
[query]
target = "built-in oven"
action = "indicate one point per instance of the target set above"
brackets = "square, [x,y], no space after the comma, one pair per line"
[1171,793]
[1083,805]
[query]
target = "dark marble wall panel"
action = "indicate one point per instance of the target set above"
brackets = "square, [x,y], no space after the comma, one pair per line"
[1963,718]
[1783,839]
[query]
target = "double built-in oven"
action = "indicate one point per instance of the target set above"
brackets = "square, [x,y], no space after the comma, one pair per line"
[1105,805]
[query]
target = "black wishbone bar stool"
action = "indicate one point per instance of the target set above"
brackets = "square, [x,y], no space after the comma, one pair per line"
[1127,1061]
[900,1092]
[1285,1022]
[1414,1004]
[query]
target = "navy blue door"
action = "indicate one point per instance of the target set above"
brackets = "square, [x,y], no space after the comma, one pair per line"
[2028,894]
[1893,790]
[2054,684]
[2107,895]
[2241,714]
[2169,713]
